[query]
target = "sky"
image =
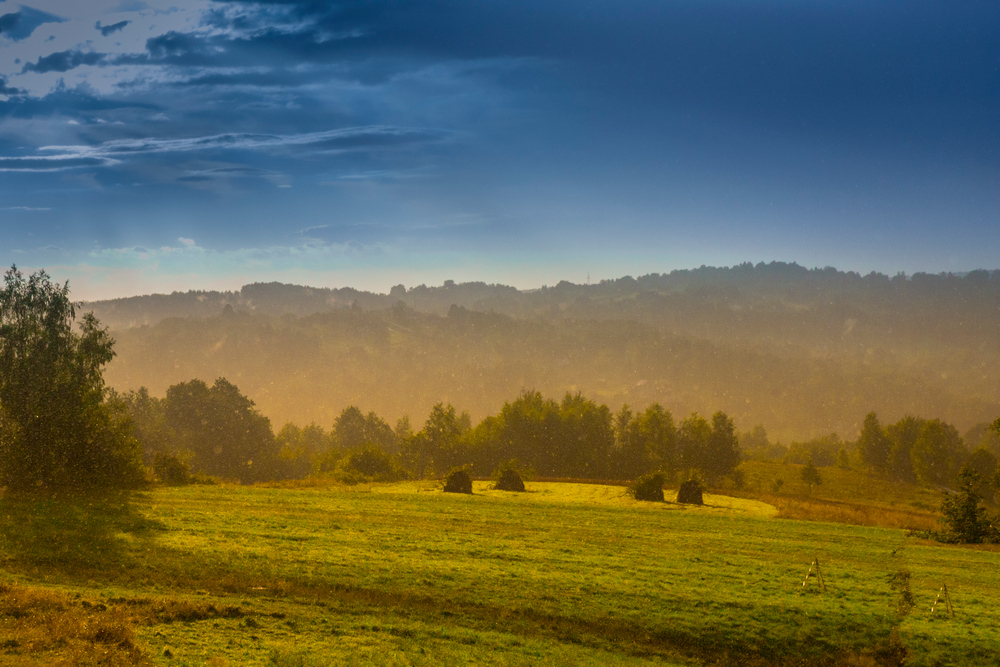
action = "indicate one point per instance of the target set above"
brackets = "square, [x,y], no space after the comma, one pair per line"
[151,146]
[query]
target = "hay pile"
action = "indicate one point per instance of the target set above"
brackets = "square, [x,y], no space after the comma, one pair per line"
[690,493]
[458,481]
[648,487]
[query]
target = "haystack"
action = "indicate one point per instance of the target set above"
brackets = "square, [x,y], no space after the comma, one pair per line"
[458,481]
[509,480]
[648,487]
[690,493]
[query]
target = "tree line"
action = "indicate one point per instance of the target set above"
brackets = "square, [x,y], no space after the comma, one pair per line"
[928,451]
[60,427]
[217,431]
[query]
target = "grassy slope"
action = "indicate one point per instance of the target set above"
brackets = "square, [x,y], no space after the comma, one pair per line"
[566,574]
[845,496]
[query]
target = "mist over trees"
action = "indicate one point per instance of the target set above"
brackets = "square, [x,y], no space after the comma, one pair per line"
[804,352]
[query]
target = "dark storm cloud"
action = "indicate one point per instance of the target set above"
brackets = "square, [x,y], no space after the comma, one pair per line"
[63,61]
[9,22]
[109,29]
[19,25]
[815,66]
[8,90]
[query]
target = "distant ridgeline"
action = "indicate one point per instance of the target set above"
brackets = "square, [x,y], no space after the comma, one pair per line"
[804,352]
[772,289]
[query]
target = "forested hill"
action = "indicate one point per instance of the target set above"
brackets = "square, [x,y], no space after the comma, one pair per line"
[803,352]
[765,296]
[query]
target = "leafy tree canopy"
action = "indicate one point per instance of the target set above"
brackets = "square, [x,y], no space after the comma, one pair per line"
[223,430]
[810,474]
[58,431]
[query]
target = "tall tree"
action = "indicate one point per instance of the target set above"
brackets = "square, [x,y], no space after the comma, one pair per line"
[903,438]
[874,446]
[655,426]
[223,430]
[149,422]
[692,440]
[57,428]
[586,437]
[439,445]
[938,453]
[353,429]
[527,429]
[722,452]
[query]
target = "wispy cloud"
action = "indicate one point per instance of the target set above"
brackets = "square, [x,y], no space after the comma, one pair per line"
[371,137]
[344,138]
[53,162]
[27,208]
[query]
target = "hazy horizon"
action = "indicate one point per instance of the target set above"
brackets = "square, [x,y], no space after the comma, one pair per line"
[233,285]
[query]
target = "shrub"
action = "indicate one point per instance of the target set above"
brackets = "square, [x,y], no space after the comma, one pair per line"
[170,469]
[690,493]
[368,463]
[648,487]
[458,481]
[965,520]
[810,474]
[371,461]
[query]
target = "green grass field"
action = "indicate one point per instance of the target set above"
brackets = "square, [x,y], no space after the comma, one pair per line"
[404,574]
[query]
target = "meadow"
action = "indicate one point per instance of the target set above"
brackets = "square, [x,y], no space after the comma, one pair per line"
[403,574]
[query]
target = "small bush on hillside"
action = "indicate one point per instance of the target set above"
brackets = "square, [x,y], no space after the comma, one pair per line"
[171,469]
[964,519]
[458,481]
[810,474]
[690,493]
[648,487]
[508,478]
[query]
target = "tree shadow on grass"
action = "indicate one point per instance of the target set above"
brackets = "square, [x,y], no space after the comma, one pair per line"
[78,535]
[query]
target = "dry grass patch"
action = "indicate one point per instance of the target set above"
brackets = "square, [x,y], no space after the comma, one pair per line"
[40,627]
[815,509]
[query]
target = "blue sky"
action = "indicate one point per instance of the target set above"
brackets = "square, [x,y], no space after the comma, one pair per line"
[156,146]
